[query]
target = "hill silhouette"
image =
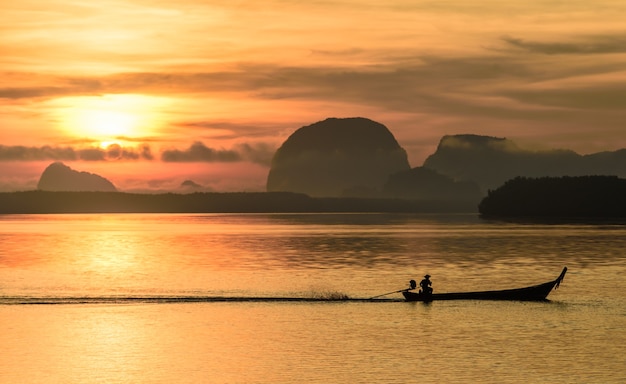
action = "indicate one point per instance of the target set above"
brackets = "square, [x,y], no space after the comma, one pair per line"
[357,162]
[426,184]
[336,157]
[59,177]
[490,161]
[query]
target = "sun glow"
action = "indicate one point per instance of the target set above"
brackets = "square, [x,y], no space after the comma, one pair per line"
[109,119]
[107,123]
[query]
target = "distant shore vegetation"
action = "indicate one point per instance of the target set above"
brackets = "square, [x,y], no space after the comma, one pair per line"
[557,197]
[44,202]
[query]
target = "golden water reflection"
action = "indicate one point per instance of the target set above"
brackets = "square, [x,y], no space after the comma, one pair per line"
[235,255]
[576,338]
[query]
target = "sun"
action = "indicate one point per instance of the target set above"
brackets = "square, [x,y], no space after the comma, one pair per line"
[110,118]
[107,123]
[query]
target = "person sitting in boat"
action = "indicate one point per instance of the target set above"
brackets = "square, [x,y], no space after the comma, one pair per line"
[426,284]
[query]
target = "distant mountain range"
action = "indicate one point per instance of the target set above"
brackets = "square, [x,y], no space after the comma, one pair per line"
[360,158]
[490,161]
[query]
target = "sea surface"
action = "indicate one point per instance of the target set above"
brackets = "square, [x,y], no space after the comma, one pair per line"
[277,298]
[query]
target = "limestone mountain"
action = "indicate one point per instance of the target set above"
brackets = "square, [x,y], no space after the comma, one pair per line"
[59,177]
[490,161]
[426,184]
[336,156]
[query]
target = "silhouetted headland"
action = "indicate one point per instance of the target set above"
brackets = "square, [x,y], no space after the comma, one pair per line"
[33,202]
[594,197]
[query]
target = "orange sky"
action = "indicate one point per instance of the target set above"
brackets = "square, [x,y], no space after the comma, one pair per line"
[149,93]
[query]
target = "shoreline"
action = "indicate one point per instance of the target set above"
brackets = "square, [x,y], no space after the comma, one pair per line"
[44,202]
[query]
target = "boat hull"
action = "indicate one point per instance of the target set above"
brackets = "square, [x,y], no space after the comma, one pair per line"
[533,293]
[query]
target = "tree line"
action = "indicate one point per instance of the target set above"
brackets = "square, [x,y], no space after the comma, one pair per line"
[35,202]
[557,197]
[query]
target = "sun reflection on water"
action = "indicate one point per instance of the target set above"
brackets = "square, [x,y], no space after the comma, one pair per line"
[284,342]
[110,253]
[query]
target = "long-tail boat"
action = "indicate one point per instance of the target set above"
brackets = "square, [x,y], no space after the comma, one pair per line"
[533,293]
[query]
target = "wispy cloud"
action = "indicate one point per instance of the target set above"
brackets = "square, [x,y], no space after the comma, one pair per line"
[199,152]
[44,153]
[117,152]
[499,92]
[24,153]
[430,84]
[584,46]
[424,68]
[224,129]
[439,67]
[258,153]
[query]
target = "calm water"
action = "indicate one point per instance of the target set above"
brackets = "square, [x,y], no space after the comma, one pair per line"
[167,299]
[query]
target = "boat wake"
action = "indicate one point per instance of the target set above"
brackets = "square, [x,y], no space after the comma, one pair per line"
[91,300]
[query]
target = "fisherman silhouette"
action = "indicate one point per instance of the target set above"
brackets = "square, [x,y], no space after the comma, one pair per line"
[425,285]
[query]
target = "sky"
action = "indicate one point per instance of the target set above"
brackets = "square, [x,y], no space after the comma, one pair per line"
[150,93]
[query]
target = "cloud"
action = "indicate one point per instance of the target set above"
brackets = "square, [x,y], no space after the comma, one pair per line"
[32,92]
[594,98]
[589,45]
[37,85]
[413,81]
[486,92]
[116,151]
[339,53]
[198,152]
[112,152]
[240,79]
[221,129]
[259,153]
[23,153]
[92,154]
